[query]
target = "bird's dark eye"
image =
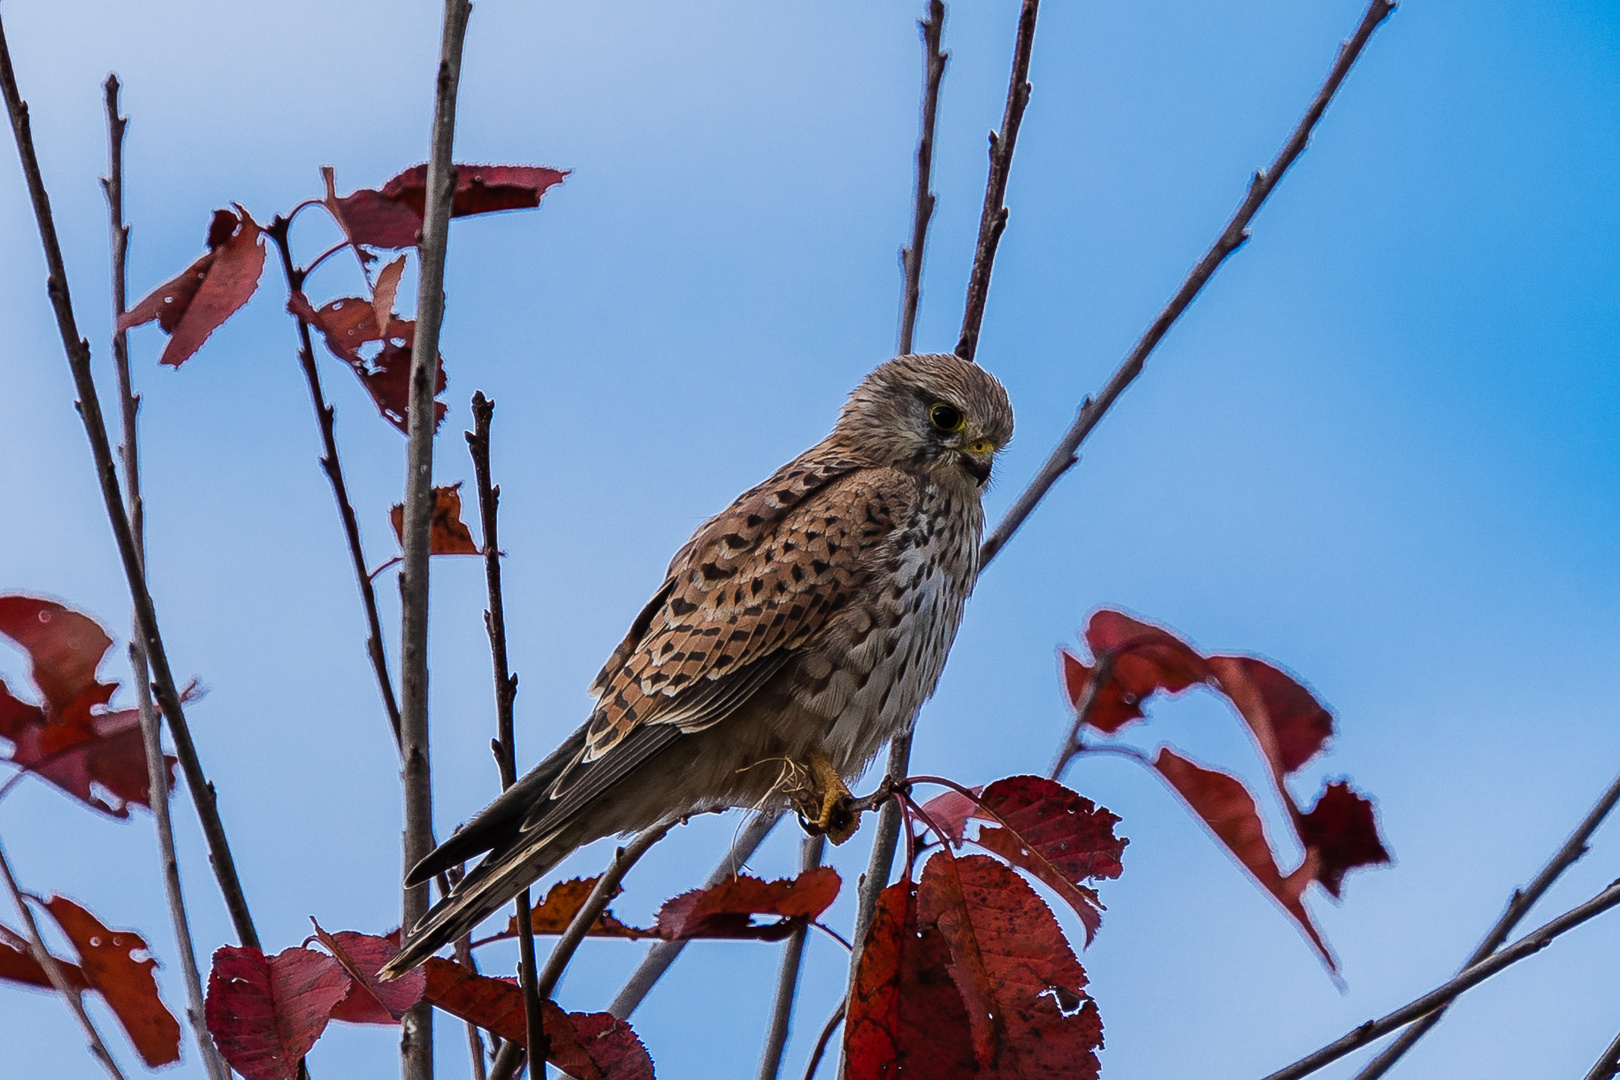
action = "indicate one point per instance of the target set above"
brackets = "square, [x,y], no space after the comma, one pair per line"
[946,417]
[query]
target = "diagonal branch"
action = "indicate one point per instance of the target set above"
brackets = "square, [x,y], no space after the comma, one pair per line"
[1443,995]
[787,983]
[53,972]
[157,774]
[1232,237]
[1607,1066]
[95,427]
[1519,905]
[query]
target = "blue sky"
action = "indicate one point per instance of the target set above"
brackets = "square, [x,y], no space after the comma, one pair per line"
[1381,450]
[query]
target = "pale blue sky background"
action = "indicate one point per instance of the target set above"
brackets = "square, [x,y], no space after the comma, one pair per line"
[1381,450]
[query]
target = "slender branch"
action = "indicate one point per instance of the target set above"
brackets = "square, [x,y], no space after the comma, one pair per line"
[1519,905]
[1609,1064]
[922,200]
[826,1037]
[1232,237]
[509,1062]
[663,954]
[1073,745]
[53,972]
[416,1042]
[787,983]
[489,497]
[89,406]
[1444,994]
[993,219]
[326,418]
[475,1038]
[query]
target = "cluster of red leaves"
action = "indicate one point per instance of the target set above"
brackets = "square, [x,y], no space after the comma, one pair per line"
[113,964]
[266,1012]
[71,738]
[1134,660]
[196,303]
[967,973]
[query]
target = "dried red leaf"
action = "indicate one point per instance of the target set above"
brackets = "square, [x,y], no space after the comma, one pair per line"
[193,305]
[1061,837]
[563,901]
[950,812]
[497,1005]
[108,963]
[1288,722]
[392,217]
[611,1044]
[266,1012]
[1343,832]
[17,964]
[371,1001]
[64,648]
[383,292]
[906,1017]
[349,324]
[727,910]
[1028,1013]
[1136,660]
[1226,806]
[447,534]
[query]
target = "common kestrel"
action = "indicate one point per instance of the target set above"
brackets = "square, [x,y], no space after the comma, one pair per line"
[794,634]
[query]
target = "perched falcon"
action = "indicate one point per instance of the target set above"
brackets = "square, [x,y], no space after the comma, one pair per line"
[794,634]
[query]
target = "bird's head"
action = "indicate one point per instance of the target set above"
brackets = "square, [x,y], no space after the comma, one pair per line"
[933,413]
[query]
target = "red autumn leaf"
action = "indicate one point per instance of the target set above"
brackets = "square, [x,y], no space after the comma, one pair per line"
[209,291]
[1340,829]
[125,982]
[1059,836]
[612,1046]
[266,1012]
[497,1005]
[1226,806]
[98,757]
[392,217]
[906,1017]
[384,291]
[1288,722]
[447,534]
[1135,660]
[1028,1013]
[349,324]
[563,901]
[950,812]
[371,1001]
[17,964]
[727,910]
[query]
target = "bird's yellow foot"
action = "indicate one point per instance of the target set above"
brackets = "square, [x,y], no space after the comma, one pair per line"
[824,804]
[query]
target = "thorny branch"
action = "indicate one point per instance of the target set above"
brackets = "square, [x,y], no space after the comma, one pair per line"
[506,684]
[1443,995]
[326,417]
[416,1042]
[89,406]
[1232,237]
[53,972]
[157,773]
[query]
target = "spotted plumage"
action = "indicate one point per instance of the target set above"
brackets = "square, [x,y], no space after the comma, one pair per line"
[793,635]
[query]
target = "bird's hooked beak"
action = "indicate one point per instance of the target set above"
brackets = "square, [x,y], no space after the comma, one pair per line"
[978,455]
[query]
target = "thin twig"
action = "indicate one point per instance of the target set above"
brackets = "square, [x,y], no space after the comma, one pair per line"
[157,773]
[509,1062]
[1444,994]
[506,683]
[1232,237]
[89,406]
[416,1042]
[826,1037]
[1609,1064]
[922,200]
[1073,745]
[993,219]
[475,1038]
[326,418]
[1519,905]
[53,972]
[787,983]
[664,953]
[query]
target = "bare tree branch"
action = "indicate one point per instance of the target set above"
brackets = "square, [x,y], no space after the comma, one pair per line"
[663,954]
[1232,237]
[53,972]
[1518,906]
[787,983]
[1444,994]
[326,418]
[506,684]
[157,774]
[475,1038]
[89,406]
[922,200]
[416,1042]
[1609,1064]
[826,1037]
